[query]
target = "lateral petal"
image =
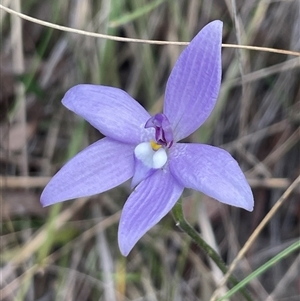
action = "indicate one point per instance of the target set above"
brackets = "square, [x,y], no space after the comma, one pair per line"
[212,171]
[194,83]
[146,206]
[110,110]
[101,166]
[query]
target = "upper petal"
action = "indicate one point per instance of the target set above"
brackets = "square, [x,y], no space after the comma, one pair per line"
[146,206]
[194,83]
[110,110]
[101,166]
[212,171]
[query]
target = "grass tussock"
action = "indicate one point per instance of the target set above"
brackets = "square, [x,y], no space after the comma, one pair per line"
[69,251]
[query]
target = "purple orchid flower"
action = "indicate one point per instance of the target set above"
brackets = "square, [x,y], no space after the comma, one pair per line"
[146,148]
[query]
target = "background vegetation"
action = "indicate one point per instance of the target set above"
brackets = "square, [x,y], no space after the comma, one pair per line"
[69,251]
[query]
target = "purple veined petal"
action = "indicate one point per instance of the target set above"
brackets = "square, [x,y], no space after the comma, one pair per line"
[212,171]
[110,110]
[146,206]
[194,83]
[101,166]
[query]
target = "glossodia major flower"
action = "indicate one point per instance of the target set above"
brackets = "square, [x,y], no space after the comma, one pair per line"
[147,149]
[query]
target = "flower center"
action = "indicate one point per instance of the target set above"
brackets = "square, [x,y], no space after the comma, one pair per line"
[152,155]
[154,145]
[148,157]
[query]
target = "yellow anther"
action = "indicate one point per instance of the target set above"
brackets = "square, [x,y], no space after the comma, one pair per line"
[154,145]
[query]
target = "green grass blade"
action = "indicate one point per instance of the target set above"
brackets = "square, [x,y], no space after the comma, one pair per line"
[126,18]
[295,246]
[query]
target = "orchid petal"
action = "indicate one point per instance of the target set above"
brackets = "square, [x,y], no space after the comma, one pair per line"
[110,110]
[212,171]
[146,206]
[194,83]
[101,166]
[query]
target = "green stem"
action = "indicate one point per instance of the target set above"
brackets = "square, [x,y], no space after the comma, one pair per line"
[190,231]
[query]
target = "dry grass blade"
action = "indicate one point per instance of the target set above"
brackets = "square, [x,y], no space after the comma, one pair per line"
[265,72]
[121,39]
[40,182]
[18,67]
[106,261]
[291,273]
[82,239]
[255,234]
[208,235]
[35,242]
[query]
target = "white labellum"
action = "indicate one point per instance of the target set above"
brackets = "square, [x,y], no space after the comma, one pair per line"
[150,157]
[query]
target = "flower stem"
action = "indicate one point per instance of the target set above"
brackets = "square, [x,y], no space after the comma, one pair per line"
[190,231]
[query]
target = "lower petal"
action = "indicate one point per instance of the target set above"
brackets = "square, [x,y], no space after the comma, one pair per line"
[212,171]
[101,166]
[146,206]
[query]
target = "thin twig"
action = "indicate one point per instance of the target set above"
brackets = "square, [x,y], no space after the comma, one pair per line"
[122,39]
